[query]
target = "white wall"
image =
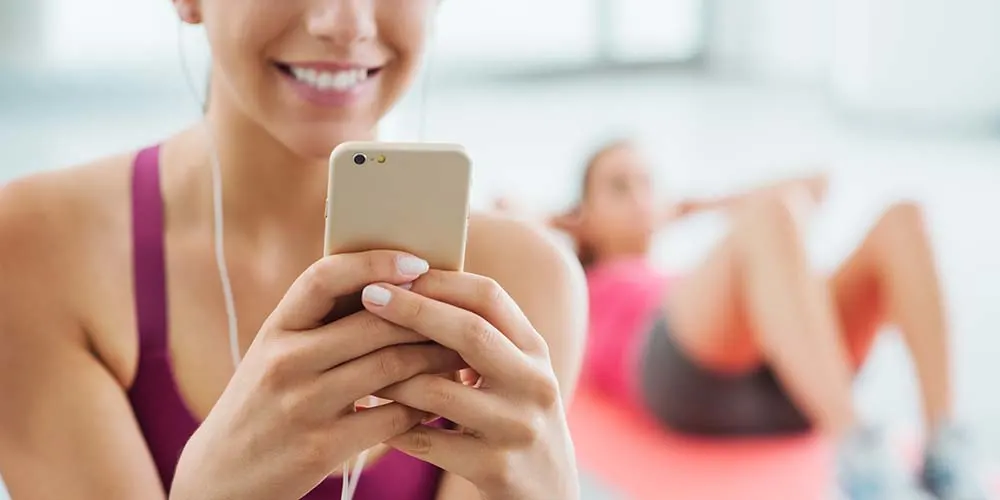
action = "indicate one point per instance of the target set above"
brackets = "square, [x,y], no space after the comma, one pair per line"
[22,32]
[928,60]
[920,58]
[479,32]
[645,30]
[787,40]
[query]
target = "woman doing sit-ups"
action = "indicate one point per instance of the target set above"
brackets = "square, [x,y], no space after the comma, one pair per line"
[753,341]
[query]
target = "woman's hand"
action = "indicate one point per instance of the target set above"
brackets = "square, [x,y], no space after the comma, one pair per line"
[570,222]
[513,441]
[285,420]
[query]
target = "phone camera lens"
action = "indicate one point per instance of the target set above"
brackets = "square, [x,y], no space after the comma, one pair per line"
[360,159]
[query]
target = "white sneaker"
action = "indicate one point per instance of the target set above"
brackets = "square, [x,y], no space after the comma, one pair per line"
[868,470]
[951,470]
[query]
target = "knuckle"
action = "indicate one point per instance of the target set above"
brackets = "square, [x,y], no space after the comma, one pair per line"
[279,367]
[438,392]
[535,346]
[417,309]
[489,291]
[429,281]
[294,408]
[390,364]
[523,429]
[479,332]
[539,348]
[316,276]
[544,390]
[419,442]
[402,419]
[371,326]
[313,454]
[288,405]
[370,263]
[497,472]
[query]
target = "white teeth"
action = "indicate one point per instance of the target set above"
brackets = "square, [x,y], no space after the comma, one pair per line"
[330,80]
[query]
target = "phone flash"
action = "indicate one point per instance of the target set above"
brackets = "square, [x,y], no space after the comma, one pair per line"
[380,159]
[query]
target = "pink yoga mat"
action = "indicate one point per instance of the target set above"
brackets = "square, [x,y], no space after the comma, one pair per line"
[638,459]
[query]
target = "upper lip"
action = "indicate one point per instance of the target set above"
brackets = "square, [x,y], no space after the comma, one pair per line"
[329,66]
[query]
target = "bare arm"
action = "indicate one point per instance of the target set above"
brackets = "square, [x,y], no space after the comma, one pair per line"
[547,284]
[66,426]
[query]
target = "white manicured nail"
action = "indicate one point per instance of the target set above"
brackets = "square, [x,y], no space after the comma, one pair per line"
[406,286]
[374,294]
[411,266]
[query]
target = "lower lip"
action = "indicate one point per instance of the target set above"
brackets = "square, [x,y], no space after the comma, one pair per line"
[331,97]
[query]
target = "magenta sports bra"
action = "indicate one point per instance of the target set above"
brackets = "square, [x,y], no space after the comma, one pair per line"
[165,420]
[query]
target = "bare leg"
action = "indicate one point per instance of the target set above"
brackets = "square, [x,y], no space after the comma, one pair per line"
[892,276]
[755,301]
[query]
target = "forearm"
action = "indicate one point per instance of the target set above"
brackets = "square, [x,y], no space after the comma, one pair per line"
[688,207]
[815,186]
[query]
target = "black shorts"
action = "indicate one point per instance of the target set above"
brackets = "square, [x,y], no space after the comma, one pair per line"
[691,399]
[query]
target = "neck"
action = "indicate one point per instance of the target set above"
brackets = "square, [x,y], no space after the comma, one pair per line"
[266,187]
[618,249]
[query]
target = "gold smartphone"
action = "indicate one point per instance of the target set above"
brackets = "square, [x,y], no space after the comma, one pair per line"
[408,197]
[399,196]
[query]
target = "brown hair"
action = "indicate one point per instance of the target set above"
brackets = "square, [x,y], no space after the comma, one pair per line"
[584,252]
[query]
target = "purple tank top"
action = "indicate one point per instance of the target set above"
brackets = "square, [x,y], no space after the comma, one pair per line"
[165,420]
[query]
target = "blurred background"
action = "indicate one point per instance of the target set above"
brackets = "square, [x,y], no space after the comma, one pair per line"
[895,98]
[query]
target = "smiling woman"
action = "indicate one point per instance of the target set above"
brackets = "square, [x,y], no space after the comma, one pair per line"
[128,366]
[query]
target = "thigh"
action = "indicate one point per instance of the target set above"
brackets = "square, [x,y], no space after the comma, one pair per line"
[856,290]
[706,313]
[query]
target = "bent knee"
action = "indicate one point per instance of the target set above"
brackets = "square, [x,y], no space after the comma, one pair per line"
[771,217]
[905,214]
[903,219]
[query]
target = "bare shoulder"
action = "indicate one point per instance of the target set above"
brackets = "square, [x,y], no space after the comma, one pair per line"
[61,266]
[509,245]
[52,227]
[544,279]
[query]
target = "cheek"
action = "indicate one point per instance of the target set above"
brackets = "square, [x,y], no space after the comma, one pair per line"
[405,27]
[239,32]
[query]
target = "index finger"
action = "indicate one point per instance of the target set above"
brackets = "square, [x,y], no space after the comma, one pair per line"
[315,293]
[480,343]
[485,297]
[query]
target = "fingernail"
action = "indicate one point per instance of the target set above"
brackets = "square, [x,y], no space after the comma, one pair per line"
[374,294]
[430,419]
[406,286]
[408,265]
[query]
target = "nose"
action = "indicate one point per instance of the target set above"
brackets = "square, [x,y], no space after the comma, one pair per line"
[343,22]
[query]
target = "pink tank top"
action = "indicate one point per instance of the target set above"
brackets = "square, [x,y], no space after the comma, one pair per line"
[625,297]
[159,408]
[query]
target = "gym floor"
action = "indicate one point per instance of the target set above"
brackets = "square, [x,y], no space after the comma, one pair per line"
[528,138]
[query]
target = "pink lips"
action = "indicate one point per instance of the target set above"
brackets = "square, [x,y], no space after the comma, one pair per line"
[332,97]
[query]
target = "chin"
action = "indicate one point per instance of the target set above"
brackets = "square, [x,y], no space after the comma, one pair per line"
[317,141]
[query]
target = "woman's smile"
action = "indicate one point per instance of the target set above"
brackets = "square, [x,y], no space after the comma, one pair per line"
[329,84]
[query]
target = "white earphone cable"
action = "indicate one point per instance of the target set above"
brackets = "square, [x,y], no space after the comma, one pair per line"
[218,219]
[220,255]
